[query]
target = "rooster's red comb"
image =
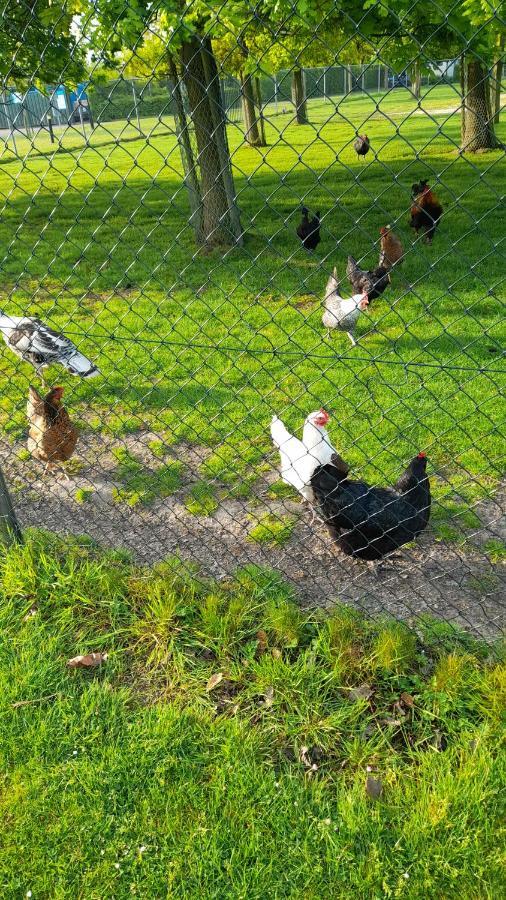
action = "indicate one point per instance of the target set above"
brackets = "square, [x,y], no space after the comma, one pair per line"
[422,454]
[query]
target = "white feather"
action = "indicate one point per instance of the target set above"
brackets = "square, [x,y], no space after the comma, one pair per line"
[300,459]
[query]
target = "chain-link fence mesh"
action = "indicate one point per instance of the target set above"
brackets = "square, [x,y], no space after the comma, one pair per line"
[156,163]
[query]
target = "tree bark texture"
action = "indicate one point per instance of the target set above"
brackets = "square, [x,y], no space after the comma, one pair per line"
[496,86]
[416,77]
[299,96]
[261,119]
[251,131]
[220,219]
[187,155]
[479,128]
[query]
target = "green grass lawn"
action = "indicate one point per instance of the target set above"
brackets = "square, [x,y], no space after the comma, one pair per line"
[223,748]
[96,241]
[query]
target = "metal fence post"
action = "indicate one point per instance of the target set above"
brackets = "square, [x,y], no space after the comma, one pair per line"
[10,122]
[136,107]
[82,119]
[10,530]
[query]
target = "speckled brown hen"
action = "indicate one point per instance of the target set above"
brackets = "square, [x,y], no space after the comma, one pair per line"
[51,437]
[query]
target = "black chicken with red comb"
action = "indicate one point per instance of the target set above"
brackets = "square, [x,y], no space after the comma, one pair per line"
[370,522]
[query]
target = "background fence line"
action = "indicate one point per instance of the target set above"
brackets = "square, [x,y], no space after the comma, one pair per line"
[129,98]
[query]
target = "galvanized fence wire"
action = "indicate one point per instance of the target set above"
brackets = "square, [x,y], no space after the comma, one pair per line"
[152,182]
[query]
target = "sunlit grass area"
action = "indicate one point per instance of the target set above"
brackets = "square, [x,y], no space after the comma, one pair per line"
[96,240]
[230,745]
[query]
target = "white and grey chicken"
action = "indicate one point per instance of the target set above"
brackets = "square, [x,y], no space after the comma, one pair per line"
[41,346]
[300,459]
[342,313]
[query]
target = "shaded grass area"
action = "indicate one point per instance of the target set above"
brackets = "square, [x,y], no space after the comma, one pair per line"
[223,749]
[185,340]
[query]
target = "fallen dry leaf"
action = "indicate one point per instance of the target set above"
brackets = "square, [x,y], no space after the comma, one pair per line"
[311,756]
[440,740]
[263,640]
[269,695]
[369,730]
[88,661]
[19,703]
[407,699]
[362,692]
[304,756]
[214,681]
[30,614]
[276,652]
[373,787]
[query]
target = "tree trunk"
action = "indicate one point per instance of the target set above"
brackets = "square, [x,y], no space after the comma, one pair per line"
[463,95]
[219,213]
[187,155]
[220,131]
[479,129]
[258,101]
[496,85]
[299,96]
[251,132]
[416,78]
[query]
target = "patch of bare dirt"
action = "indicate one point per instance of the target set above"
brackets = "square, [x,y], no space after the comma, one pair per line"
[463,587]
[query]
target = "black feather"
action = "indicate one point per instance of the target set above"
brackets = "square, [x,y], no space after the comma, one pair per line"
[372,282]
[309,230]
[370,522]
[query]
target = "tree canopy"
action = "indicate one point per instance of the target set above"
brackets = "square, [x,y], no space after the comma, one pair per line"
[37,43]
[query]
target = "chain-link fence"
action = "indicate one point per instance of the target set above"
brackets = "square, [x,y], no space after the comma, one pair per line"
[235,222]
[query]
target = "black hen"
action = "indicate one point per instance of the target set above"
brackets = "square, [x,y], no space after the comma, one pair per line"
[370,522]
[309,231]
[362,145]
[372,282]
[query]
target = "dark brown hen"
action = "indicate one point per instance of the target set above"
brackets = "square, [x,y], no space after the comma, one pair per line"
[362,145]
[426,210]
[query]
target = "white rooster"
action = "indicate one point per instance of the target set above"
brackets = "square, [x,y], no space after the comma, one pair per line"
[340,313]
[300,459]
[39,345]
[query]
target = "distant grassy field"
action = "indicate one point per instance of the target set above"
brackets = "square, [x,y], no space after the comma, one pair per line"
[95,240]
[234,747]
